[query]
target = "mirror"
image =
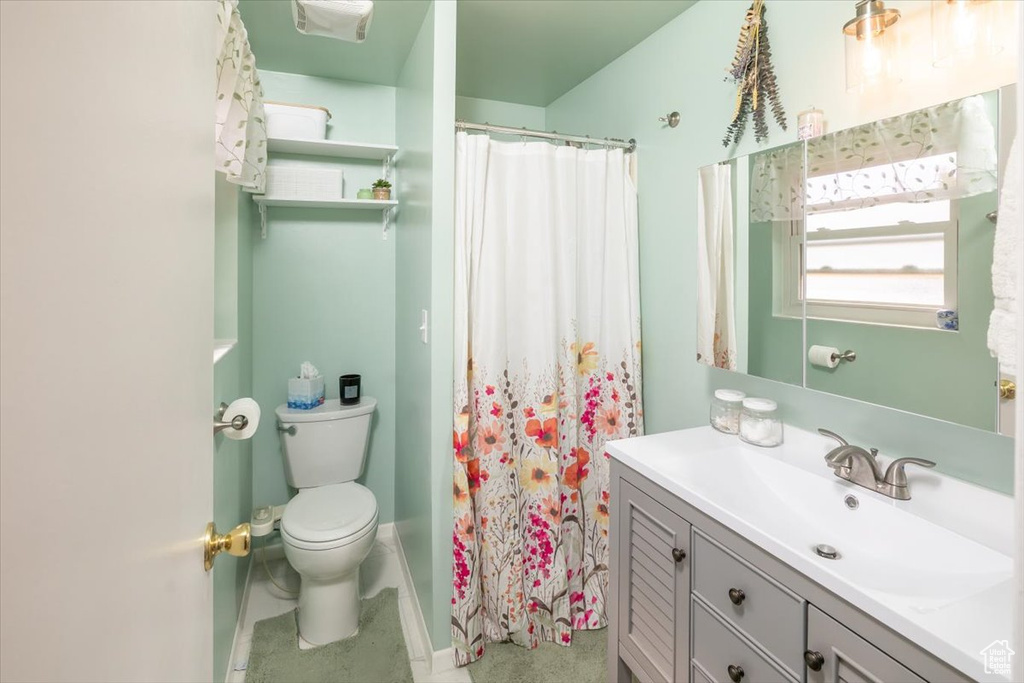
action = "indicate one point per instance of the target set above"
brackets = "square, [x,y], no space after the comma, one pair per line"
[875,240]
[741,322]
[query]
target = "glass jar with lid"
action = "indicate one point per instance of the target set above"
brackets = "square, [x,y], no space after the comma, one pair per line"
[760,423]
[725,410]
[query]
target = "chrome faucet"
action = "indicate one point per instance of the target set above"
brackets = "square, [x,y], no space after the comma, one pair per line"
[854,464]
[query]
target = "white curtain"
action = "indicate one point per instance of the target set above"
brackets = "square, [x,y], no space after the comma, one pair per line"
[241,130]
[716,306]
[547,368]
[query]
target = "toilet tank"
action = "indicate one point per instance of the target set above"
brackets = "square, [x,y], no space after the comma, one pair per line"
[325,445]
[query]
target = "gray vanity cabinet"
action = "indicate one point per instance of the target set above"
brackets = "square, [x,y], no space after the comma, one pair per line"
[690,600]
[653,583]
[840,655]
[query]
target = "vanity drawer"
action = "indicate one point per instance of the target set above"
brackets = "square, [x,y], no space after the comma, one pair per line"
[716,648]
[767,613]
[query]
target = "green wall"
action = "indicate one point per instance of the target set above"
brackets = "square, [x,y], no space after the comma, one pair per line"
[232,378]
[775,344]
[442,283]
[324,290]
[423,477]
[661,74]
[476,110]
[414,137]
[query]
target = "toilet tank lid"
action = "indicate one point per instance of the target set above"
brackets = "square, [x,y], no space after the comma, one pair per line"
[330,410]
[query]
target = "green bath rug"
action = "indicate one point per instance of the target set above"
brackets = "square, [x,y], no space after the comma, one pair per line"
[581,662]
[376,653]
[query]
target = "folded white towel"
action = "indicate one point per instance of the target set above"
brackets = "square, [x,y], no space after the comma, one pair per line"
[342,19]
[1006,266]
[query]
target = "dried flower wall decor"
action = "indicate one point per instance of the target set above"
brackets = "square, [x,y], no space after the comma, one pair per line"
[754,76]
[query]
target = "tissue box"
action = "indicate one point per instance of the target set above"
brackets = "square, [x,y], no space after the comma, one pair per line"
[305,394]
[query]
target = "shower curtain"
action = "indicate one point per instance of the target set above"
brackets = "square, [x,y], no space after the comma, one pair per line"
[716,306]
[547,353]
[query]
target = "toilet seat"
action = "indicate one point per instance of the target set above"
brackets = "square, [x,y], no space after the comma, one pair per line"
[327,517]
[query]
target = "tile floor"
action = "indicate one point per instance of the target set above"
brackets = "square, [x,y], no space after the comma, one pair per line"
[380,569]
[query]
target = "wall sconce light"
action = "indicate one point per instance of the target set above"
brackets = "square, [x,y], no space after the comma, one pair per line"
[872,46]
[963,30]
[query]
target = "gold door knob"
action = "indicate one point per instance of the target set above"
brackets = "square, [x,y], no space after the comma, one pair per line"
[235,542]
[1007,389]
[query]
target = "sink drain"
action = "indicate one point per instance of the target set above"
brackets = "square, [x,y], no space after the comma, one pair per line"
[826,551]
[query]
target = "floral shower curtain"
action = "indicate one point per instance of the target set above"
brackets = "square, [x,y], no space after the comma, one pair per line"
[547,342]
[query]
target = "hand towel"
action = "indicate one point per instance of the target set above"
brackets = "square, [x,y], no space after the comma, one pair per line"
[1006,266]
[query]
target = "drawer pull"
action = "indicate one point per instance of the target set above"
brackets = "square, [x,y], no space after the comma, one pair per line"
[814,660]
[678,554]
[735,673]
[737,596]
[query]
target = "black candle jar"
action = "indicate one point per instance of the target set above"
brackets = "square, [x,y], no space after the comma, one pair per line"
[349,389]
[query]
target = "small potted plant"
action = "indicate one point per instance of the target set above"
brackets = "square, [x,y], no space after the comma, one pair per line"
[382,189]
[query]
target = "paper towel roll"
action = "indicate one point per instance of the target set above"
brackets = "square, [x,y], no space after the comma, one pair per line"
[823,356]
[250,410]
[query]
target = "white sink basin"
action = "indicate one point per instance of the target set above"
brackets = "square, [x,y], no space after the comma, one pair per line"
[936,569]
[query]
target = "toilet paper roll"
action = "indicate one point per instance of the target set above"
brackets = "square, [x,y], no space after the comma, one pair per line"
[251,410]
[823,356]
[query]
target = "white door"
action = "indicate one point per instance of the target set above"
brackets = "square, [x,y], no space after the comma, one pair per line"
[106,323]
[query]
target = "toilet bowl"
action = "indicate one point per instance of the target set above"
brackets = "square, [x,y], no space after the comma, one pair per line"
[327,532]
[329,527]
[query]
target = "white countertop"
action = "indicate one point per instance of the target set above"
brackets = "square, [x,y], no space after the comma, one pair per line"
[936,569]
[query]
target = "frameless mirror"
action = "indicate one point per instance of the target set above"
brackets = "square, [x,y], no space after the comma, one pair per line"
[876,240]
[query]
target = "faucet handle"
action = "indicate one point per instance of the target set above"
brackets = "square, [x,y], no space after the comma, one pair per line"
[896,476]
[833,435]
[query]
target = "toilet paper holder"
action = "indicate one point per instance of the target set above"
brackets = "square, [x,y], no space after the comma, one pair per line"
[219,425]
[847,355]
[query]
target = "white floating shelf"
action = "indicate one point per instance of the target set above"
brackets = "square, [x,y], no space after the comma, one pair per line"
[385,206]
[331,148]
[264,200]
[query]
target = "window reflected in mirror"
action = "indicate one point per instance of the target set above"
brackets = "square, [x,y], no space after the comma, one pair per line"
[874,239]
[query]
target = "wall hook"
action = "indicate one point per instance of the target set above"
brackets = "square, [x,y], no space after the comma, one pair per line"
[672,119]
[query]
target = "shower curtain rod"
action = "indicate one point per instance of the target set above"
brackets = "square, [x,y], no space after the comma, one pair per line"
[628,145]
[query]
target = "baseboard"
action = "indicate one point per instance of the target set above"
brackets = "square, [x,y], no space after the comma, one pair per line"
[443,660]
[240,620]
[420,623]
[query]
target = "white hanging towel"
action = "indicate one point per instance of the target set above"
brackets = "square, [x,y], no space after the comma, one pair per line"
[1006,266]
[342,19]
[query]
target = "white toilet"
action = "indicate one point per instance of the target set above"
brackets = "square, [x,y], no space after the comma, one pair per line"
[329,527]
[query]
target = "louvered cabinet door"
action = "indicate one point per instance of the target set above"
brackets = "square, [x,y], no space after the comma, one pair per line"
[654,586]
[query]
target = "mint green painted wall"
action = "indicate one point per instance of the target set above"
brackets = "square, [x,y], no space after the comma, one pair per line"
[442,356]
[774,349]
[414,137]
[324,290]
[232,378]
[423,477]
[476,110]
[946,375]
[661,74]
